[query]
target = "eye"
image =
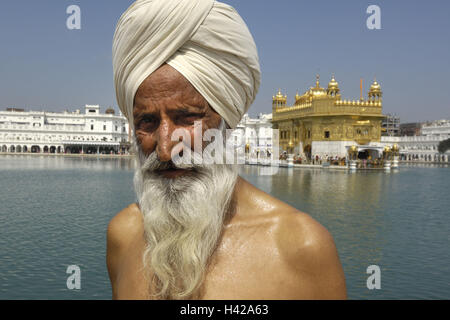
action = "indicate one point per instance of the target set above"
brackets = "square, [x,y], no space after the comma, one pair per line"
[147,120]
[147,123]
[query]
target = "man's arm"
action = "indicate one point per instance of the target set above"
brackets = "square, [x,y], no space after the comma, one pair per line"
[121,232]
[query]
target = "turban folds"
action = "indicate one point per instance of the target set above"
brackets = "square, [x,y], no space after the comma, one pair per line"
[205,40]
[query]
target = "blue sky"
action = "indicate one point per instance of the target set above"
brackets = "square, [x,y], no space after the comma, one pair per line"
[45,66]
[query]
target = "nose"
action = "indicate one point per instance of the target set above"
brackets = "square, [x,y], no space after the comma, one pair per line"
[164,140]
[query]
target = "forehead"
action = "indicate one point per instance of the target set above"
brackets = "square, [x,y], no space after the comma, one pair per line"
[166,83]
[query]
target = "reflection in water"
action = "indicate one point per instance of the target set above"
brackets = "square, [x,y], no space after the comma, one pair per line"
[24,162]
[54,212]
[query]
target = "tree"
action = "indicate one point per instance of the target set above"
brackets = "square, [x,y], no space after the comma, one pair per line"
[444,145]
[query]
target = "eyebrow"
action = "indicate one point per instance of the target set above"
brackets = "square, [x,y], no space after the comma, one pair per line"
[187,110]
[184,110]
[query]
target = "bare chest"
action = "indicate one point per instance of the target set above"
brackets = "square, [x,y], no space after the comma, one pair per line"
[237,271]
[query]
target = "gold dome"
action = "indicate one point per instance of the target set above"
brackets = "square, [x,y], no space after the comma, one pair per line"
[387,149]
[333,84]
[317,90]
[395,147]
[353,148]
[375,87]
[110,111]
[279,96]
[279,100]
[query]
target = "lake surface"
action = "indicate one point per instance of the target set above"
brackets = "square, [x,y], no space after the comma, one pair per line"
[54,213]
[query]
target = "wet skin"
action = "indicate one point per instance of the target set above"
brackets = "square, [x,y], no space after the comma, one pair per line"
[268,249]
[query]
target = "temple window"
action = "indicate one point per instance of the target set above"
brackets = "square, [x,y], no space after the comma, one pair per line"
[327,134]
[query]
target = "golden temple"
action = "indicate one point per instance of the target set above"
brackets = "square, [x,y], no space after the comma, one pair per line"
[321,123]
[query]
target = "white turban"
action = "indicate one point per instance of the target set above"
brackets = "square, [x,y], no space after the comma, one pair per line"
[205,40]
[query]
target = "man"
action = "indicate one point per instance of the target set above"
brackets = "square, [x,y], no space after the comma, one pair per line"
[199,231]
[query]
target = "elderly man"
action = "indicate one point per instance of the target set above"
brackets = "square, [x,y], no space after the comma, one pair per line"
[199,231]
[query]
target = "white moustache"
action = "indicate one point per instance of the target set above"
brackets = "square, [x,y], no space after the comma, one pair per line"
[152,162]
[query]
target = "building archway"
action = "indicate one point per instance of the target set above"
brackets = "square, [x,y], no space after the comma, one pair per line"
[307,151]
[4,148]
[363,154]
[12,149]
[73,149]
[25,149]
[91,150]
[35,149]
[52,149]
[19,149]
[46,149]
[105,150]
[58,149]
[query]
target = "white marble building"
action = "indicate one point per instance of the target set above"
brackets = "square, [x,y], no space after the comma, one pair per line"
[255,134]
[425,146]
[63,132]
[438,128]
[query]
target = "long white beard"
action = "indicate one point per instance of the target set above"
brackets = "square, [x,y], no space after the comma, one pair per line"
[183,221]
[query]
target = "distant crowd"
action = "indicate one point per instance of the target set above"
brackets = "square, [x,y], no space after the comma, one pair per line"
[333,160]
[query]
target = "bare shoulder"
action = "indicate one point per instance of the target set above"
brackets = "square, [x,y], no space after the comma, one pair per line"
[123,229]
[306,247]
[310,252]
[125,225]
[300,234]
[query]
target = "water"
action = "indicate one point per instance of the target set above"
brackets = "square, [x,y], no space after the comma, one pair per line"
[54,213]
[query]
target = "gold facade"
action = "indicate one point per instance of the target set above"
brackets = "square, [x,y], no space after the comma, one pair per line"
[321,115]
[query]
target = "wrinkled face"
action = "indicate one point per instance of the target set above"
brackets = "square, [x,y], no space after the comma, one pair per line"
[164,102]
